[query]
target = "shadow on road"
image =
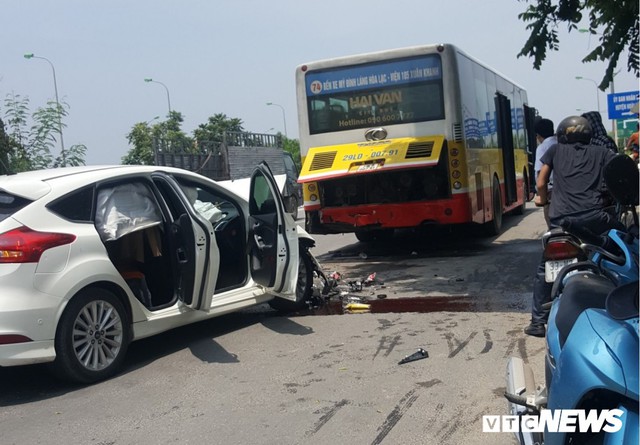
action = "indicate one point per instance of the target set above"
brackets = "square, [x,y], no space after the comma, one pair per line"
[26,384]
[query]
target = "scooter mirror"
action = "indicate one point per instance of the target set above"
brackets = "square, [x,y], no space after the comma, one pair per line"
[622,302]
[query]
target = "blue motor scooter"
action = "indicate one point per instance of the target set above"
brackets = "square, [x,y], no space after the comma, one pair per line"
[591,364]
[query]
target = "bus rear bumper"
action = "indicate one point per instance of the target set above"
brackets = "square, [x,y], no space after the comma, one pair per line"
[380,216]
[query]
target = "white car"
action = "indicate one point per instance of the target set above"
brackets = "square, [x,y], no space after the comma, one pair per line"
[92,258]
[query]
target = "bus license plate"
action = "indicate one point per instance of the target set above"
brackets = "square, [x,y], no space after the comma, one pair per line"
[552,268]
[366,167]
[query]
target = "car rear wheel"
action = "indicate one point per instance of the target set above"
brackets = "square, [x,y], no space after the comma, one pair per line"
[92,337]
[303,287]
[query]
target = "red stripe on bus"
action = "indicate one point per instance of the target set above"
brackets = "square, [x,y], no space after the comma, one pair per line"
[411,214]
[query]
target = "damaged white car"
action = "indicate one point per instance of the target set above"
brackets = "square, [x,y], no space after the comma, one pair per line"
[92,258]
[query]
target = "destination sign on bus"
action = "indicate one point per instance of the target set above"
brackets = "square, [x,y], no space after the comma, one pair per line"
[374,75]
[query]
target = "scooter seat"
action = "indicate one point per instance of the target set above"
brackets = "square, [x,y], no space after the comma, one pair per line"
[583,291]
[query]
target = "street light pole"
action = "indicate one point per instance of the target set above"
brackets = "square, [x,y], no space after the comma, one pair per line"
[284,119]
[613,121]
[597,89]
[148,79]
[151,120]
[59,110]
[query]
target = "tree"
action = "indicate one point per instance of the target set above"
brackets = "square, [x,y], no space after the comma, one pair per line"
[5,149]
[30,148]
[615,21]
[292,146]
[168,136]
[141,139]
[212,132]
[170,132]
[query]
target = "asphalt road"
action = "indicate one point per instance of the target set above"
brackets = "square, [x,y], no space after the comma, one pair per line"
[257,377]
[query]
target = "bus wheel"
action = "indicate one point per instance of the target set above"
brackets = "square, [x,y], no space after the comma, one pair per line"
[367,236]
[493,227]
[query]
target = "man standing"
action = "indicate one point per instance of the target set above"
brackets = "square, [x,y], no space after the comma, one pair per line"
[546,138]
[578,193]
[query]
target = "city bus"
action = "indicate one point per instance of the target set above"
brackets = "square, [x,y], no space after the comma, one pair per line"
[412,137]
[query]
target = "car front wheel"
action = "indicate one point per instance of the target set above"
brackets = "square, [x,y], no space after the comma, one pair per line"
[92,337]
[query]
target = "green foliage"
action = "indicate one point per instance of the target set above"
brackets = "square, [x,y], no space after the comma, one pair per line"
[73,156]
[29,147]
[293,146]
[616,22]
[5,149]
[169,137]
[211,133]
[141,138]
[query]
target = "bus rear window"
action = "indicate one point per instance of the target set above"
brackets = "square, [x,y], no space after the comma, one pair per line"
[392,92]
[10,204]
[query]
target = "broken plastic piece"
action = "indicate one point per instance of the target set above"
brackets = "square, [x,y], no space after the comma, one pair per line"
[419,354]
[355,286]
[372,279]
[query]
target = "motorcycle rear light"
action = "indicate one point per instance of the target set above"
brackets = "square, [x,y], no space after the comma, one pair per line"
[561,250]
[9,339]
[23,245]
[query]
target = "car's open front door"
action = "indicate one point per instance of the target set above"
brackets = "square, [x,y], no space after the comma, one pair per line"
[273,240]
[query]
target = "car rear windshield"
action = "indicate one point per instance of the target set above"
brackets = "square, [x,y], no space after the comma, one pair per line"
[10,204]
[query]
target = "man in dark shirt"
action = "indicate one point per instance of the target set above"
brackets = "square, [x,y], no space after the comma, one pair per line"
[578,192]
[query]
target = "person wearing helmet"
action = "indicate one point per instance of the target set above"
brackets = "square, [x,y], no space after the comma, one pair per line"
[578,192]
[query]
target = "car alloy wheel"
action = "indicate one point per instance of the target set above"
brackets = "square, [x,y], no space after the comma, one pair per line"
[92,338]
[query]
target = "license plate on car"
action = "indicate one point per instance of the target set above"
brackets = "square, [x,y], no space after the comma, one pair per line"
[552,268]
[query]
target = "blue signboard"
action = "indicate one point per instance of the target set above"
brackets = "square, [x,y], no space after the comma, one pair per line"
[375,75]
[620,104]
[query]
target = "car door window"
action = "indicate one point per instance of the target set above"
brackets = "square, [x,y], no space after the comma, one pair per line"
[226,216]
[10,204]
[76,206]
[262,202]
[125,208]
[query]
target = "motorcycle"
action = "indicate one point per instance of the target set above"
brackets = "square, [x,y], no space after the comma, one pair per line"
[591,360]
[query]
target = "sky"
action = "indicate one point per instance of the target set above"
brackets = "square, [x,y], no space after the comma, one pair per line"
[234,56]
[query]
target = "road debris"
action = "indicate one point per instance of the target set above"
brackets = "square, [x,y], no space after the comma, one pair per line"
[418,355]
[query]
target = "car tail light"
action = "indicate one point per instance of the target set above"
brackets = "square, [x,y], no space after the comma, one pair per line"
[561,250]
[23,245]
